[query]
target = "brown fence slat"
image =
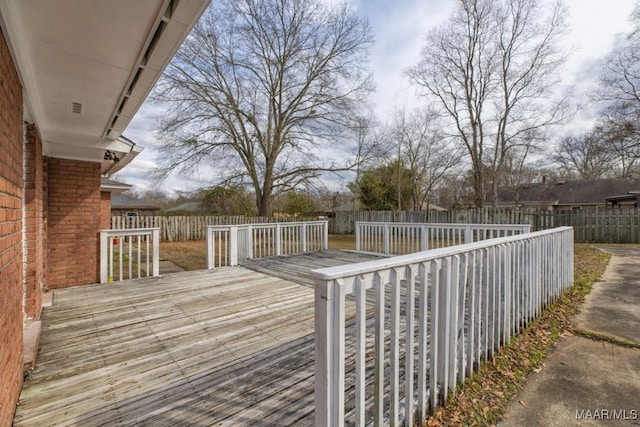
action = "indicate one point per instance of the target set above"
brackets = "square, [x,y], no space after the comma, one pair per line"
[594,225]
[591,225]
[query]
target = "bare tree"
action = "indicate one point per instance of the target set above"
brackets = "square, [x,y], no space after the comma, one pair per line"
[372,147]
[518,174]
[424,150]
[260,88]
[584,156]
[619,94]
[491,67]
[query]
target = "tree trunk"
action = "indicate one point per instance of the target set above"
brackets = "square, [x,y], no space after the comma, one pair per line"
[478,187]
[263,202]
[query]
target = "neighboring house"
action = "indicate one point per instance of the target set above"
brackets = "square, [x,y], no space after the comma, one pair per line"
[72,76]
[566,195]
[121,204]
[353,205]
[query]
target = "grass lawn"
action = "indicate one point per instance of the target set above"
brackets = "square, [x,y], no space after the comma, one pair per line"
[192,254]
[188,254]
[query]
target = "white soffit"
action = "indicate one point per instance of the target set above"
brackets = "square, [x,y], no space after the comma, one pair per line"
[87,65]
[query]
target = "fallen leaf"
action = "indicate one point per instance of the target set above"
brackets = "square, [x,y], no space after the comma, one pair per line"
[523,404]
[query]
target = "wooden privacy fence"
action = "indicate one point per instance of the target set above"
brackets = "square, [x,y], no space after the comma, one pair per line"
[595,225]
[620,225]
[229,244]
[343,222]
[449,309]
[404,238]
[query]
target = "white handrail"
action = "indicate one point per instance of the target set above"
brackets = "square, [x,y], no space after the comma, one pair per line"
[400,238]
[453,307]
[136,250]
[229,244]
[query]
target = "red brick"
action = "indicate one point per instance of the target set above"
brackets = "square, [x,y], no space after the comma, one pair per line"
[11,327]
[75,219]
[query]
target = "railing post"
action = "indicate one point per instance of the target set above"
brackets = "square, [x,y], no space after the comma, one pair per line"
[277,240]
[209,241]
[468,235]
[156,251]
[325,243]
[303,237]
[233,246]
[386,238]
[324,386]
[104,242]
[357,226]
[424,243]
[249,242]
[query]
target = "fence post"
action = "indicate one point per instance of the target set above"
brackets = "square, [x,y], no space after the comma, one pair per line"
[233,245]
[277,241]
[468,236]
[156,251]
[357,230]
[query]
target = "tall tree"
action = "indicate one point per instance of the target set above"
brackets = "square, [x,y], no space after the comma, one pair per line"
[491,67]
[424,150]
[377,188]
[260,87]
[227,200]
[619,95]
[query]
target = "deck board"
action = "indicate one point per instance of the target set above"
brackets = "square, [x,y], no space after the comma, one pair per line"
[298,268]
[232,346]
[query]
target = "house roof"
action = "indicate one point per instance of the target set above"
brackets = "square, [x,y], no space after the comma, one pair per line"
[122,201]
[560,192]
[113,187]
[86,67]
[186,207]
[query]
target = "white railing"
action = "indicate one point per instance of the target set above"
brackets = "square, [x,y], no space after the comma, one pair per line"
[229,244]
[129,254]
[404,238]
[448,310]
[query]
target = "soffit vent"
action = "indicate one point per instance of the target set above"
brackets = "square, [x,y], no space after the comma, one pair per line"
[76,107]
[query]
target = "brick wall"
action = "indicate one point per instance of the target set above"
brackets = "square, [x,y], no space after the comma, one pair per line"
[73,224]
[11,184]
[105,210]
[35,223]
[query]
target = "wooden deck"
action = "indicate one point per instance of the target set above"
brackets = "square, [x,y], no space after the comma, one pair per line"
[298,268]
[231,346]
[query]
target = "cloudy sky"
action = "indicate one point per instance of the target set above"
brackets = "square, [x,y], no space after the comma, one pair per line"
[399,26]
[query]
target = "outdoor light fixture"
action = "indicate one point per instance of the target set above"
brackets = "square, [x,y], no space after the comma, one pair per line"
[111,157]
